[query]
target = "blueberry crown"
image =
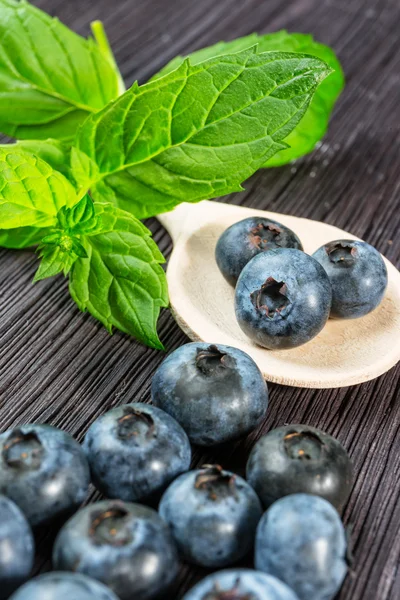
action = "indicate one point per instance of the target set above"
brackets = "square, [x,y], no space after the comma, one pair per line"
[213,361]
[271,299]
[110,526]
[342,253]
[264,234]
[303,445]
[23,451]
[216,482]
[233,594]
[134,423]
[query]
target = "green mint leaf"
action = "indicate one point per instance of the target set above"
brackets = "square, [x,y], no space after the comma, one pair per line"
[314,124]
[121,282]
[51,78]
[54,261]
[213,51]
[52,238]
[56,153]
[31,192]
[196,133]
[101,38]
[78,249]
[79,219]
[21,237]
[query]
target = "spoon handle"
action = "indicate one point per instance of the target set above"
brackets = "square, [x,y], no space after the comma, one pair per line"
[176,221]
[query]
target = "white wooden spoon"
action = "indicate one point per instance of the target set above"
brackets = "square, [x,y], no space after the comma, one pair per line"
[345,352]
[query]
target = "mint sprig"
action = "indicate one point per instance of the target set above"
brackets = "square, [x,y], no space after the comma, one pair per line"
[197,130]
[62,245]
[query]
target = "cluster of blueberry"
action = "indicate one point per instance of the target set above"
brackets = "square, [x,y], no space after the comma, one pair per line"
[118,548]
[283,296]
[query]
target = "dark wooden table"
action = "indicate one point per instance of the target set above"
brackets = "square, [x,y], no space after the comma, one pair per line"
[61,367]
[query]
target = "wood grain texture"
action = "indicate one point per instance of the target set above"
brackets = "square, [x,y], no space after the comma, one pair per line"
[59,366]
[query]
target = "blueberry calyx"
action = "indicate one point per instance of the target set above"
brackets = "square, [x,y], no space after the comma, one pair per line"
[212,361]
[272,299]
[215,482]
[109,527]
[263,234]
[232,594]
[23,451]
[135,422]
[303,445]
[341,253]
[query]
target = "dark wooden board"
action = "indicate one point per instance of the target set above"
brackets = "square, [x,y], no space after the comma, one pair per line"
[59,366]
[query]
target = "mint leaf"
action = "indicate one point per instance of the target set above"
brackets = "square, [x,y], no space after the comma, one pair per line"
[79,219]
[31,192]
[54,261]
[314,123]
[313,126]
[213,51]
[56,153]
[51,79]
[21,237]
[103,44]
[196,133]
[121,283]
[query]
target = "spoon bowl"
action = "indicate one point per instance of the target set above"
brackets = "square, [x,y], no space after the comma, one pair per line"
[346,352]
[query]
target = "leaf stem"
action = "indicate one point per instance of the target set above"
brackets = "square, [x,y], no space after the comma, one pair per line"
[99,34]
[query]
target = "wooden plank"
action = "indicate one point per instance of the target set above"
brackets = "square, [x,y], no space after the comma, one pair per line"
[59,366]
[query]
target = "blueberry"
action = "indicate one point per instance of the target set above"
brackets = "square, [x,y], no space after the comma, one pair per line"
[245,239]
[301,540]
[17,548]
[217,393]
[213,515]
[135,451]
[63,586]
[126,546]
[299,458]
[283,298]
[358,277]
[43,470]
[240,584]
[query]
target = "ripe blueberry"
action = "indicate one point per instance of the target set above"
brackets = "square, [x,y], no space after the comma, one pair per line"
[283,298]
[217,393]
[299,458]
[17,548]
[135,451]
[43,470]
[126,546]
[63,586]
[358,277]
[301,541]
[213,515]
[245,239]
[240,584]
